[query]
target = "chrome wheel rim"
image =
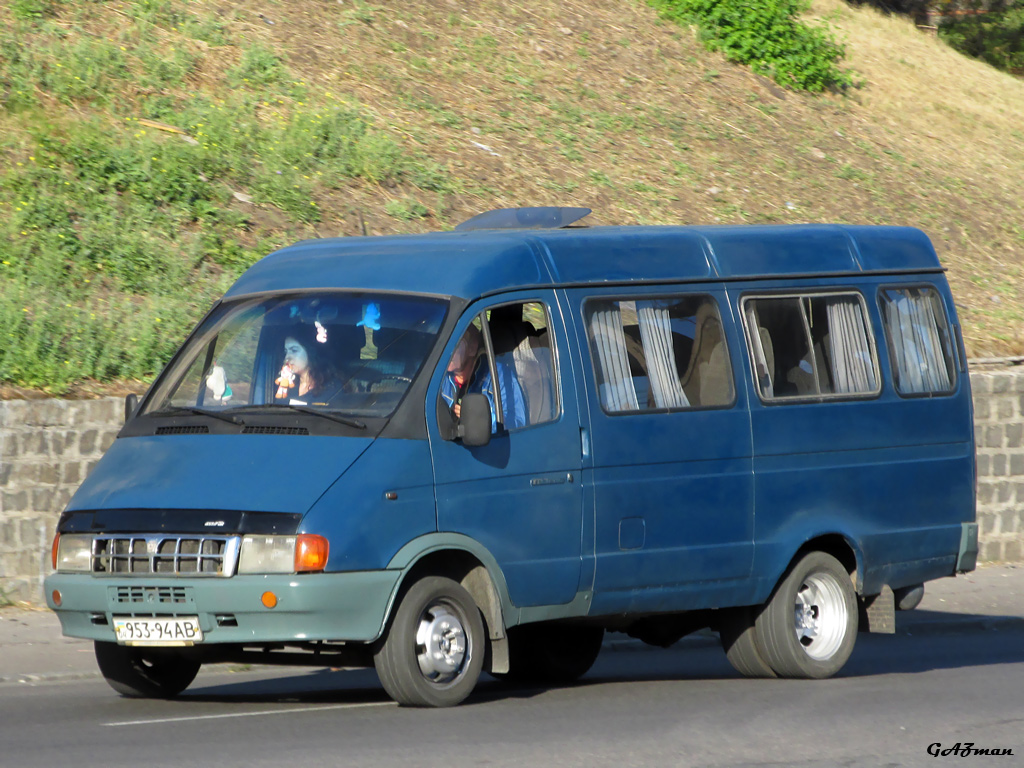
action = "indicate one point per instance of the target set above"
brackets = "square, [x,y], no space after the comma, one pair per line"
[821,617]
[442,645]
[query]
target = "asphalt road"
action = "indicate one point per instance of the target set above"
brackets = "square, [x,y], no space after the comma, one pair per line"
[685,706]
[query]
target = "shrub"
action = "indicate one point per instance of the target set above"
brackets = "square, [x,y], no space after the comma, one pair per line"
[996,37]
[768,36]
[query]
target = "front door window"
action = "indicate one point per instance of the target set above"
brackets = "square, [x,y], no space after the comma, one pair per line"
[505,354]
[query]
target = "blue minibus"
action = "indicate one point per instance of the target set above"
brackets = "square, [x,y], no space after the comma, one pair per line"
[480,450]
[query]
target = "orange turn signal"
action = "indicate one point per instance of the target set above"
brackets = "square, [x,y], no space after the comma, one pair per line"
[310,553]
[53,550]
[269,600]
[57,599]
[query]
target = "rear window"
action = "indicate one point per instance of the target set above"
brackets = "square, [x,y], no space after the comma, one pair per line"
[919,340]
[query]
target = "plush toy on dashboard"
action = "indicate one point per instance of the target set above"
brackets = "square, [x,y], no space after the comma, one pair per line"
[217,383]
[285,381]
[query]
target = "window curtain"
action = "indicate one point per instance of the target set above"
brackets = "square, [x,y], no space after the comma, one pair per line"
[616,385]
[656,335]
[917,347]
[852,369]
[764,369]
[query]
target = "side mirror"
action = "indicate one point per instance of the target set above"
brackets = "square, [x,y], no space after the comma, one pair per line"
[131,404]
[475,421]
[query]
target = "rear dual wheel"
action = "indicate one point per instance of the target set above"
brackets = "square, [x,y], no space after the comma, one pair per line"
[807,629]
[738,639]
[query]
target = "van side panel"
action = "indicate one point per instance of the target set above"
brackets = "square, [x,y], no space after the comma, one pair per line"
[894,475]
[672,490]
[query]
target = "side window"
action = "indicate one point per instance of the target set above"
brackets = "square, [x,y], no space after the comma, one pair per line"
[523,351]
[659,354]
[520,382]
[810,345]
[920,344]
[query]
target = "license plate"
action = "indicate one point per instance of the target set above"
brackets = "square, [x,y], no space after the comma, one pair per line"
[155,631]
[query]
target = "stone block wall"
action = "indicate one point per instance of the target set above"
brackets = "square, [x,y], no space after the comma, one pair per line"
[48,446]
[999,438]
[46,449]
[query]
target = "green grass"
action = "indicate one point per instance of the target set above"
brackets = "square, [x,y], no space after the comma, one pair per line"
[105,220]
[406,209]
[53,338]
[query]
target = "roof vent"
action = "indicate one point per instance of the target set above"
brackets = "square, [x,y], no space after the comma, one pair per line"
[524,218]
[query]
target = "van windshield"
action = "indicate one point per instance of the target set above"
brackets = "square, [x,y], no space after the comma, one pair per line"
[353,353]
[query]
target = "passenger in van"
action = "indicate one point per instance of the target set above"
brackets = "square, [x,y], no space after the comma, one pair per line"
[468,372]
[308,375]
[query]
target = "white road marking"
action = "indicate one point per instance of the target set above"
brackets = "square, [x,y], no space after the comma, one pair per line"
[292,711]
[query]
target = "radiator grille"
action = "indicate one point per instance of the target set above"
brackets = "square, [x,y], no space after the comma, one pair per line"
[151,595]
[148,554]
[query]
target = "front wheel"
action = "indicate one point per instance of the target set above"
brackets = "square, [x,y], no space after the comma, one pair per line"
[148,673]
[434,649]
[809,626]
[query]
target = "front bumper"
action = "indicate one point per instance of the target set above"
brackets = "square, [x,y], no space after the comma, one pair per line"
[350,607]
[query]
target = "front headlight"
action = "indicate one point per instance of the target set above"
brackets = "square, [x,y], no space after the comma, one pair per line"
[73,553]
[304,553]
[267,554]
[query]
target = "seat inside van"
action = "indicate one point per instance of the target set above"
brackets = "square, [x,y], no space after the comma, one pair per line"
[706,380]
[527,352]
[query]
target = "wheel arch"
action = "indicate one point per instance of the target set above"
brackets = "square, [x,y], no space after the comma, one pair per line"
[460,559]
[838,546]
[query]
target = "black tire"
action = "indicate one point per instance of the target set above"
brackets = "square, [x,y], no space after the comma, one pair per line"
[553,654]
[147,673]
[738,635]
[434,649]
[809,625]
[908,598]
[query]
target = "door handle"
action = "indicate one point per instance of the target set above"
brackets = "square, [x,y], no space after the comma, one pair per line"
[566,478]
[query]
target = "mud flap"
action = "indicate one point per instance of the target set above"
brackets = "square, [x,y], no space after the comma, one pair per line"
[878,612]
[967,558]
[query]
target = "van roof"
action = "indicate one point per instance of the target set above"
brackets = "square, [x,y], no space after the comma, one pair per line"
[474,263]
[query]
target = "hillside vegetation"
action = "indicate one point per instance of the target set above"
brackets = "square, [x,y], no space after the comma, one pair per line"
[150,150]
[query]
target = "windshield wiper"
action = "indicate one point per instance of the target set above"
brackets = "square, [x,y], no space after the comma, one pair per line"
[177,410]
[347,421]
